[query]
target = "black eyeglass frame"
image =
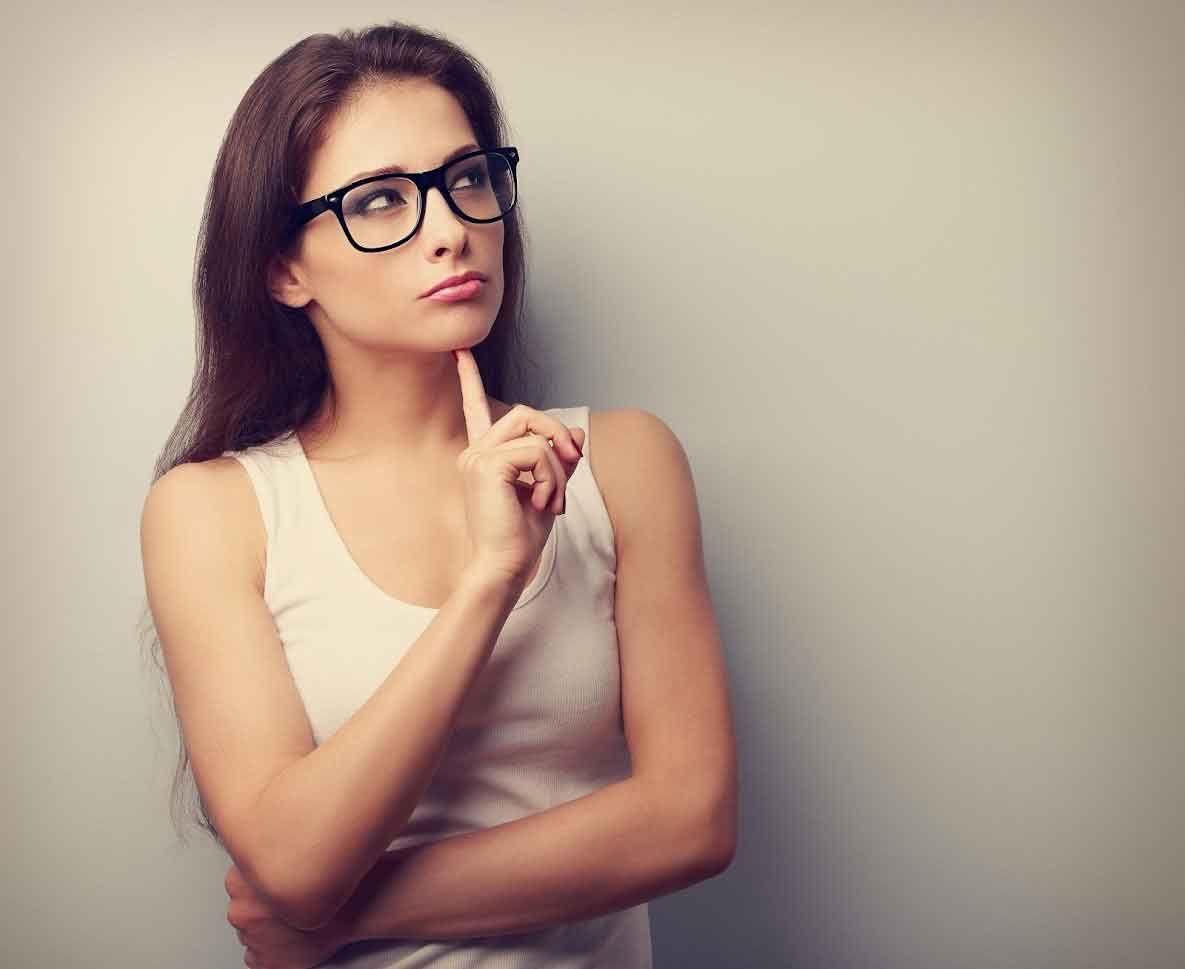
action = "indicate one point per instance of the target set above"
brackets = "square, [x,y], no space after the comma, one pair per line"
[332,201]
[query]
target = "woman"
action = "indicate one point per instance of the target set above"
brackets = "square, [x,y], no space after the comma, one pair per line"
[452,696]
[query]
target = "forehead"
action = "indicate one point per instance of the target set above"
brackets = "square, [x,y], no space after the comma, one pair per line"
[413,123]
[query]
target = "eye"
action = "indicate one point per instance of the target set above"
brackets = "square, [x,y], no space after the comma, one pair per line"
[364,205]
[475,172]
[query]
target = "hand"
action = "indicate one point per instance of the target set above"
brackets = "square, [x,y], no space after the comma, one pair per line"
[509,519]
[272,943]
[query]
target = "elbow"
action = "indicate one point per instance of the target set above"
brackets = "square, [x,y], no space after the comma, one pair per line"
[306,914]
[303,911]
[707,835]
[720,846]
[717,826]
[723,856]
[275,867]
[293,902]
[309,908]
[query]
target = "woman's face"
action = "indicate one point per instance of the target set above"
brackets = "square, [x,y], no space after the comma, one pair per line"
[375,298]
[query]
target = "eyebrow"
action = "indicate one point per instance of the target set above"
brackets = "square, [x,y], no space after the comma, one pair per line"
[399,168]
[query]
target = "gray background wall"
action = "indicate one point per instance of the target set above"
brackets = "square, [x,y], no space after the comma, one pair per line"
[907,283]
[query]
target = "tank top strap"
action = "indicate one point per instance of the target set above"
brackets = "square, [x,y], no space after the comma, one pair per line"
[591,528]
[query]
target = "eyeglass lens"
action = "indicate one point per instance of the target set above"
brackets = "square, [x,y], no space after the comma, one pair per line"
[385,211]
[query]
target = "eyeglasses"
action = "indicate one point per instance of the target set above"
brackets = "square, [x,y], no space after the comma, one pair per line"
[375,214]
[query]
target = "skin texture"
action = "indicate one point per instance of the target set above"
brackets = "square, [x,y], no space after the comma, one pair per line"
[401,426]
[671,824]
[400,423]
[396,387]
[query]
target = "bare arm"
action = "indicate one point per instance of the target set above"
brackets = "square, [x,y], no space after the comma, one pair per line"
[332,814]
[609,850]
[674,822]
[303,823]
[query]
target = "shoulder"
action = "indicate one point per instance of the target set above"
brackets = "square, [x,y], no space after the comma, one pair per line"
[204,501]
[634,456]
[216,481]
[631,425]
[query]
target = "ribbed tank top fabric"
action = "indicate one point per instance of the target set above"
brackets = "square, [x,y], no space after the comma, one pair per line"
[541,724]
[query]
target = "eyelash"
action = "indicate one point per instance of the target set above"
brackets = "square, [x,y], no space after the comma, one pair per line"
[475,172]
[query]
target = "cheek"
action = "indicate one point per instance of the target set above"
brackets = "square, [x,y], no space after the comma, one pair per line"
[497,248]
[356,294]
[357,286]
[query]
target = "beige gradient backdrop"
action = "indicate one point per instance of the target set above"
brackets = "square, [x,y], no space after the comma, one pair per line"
[908,286]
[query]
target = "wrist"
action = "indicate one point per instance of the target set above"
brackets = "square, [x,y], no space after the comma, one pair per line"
[487,578]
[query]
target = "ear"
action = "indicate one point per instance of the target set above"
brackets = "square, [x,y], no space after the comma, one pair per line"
[285,284]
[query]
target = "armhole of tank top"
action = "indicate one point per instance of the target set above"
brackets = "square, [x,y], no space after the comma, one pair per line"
[264,503]
[598,514]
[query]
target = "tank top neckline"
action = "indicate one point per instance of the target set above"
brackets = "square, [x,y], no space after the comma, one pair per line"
[347,560]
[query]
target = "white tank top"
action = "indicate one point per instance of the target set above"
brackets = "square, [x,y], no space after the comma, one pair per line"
[540,725]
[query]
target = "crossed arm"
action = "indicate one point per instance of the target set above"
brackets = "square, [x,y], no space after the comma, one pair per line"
[673,822]
[603,852]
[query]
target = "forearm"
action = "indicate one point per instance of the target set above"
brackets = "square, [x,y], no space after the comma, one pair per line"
[606,851]
[321,825]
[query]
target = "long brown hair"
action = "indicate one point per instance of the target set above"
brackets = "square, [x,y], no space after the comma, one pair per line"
[260,368]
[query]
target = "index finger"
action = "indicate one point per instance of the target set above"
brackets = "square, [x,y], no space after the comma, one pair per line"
[473,395]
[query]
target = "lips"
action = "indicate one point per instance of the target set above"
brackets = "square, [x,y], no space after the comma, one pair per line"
[453,294]
[455,280]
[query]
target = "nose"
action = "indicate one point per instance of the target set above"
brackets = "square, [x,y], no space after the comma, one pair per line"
[444,228]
